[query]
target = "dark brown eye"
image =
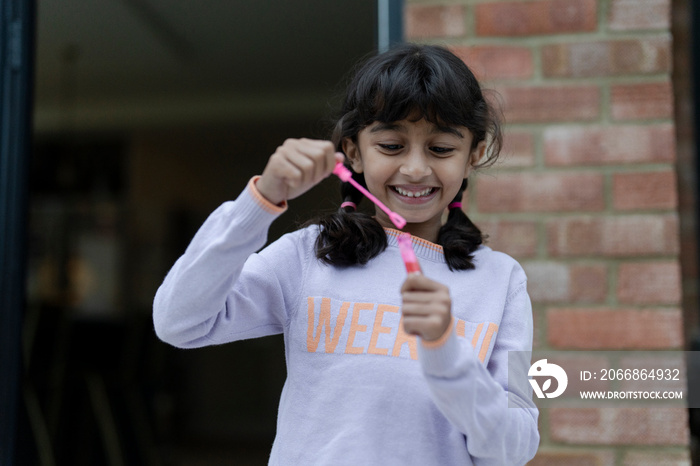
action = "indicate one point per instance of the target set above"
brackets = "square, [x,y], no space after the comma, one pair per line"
[441,150]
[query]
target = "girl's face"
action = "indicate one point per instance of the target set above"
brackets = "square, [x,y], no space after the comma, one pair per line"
[414,167]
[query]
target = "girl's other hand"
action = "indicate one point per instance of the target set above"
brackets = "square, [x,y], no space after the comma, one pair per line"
[427,307]
[295,167]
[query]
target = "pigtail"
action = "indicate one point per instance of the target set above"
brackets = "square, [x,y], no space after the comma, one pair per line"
[347,236]
[459,237]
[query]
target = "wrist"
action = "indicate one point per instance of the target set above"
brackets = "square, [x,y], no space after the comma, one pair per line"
[442,338]
[268,192]
[263,201]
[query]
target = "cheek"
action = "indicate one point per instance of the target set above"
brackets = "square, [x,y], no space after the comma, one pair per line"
[374,184]
[464,168]
[467,171]
[455,178]
[375,170]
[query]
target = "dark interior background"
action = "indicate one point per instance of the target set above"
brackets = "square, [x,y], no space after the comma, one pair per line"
[148,114]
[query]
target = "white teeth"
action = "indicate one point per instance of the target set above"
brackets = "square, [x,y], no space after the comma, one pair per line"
[403,192]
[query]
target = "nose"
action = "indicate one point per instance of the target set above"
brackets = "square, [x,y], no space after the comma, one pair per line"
[415,165]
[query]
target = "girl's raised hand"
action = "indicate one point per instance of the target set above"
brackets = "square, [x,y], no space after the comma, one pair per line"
[427,307]
[295,167]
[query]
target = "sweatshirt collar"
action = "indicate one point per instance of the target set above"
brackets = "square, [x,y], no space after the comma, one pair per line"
[423,249]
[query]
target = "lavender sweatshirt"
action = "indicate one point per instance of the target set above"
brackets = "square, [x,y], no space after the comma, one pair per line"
[359,390]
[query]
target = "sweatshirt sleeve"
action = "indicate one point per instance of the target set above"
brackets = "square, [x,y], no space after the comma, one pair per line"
[498,420]
[220,290]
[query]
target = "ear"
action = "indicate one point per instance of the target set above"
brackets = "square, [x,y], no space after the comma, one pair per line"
[476,156]
[353,154]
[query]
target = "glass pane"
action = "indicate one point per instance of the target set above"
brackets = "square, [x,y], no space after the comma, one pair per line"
[149,114]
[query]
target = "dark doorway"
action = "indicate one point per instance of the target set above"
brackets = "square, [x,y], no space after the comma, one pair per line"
[148,114]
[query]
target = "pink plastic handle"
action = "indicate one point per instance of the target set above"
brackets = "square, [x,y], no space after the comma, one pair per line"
[407,253]
[346,175]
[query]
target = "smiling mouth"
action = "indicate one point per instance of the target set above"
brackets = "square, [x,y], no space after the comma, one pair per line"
[422,193]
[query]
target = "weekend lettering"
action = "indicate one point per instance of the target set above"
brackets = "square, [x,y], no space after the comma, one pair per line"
[368,328]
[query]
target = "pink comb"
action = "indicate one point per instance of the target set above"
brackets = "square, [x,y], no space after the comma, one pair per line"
[346,175]
[407,254]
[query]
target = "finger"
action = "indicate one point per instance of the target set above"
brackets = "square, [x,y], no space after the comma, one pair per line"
[297,165]
[310,158]
[417,281]
[305,166]
[425,295]
[410,310]
[425,327]
[322,155]
[412,326]
[439,292]
[420,309]
[284,167]
[329,159]
[289,172]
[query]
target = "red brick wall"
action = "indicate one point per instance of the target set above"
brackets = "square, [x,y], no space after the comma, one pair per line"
[586,195]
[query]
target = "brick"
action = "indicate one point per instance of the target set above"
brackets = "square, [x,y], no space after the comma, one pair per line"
[549,192]
[557,457]
[620,236]
[548,281]
[614,329]
[607,58]
[518,150]
[641,101]
[600,145]
[649,283]
[550,103]
[509,18]
[423,21]
[551,282]
[626,15]
[516,238]
[653,190]
[619,426]
[538,340]
[589,284]
[656,458]
[497,62]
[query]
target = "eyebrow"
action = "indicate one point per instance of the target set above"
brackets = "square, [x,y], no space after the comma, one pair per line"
[447,129]
[387,127]
[435,130]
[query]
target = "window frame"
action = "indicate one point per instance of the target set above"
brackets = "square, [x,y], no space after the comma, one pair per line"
[17,26]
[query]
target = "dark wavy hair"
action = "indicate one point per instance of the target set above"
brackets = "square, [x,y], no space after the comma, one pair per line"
[416,81]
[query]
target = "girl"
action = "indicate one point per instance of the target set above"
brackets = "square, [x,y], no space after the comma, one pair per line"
[382,368]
